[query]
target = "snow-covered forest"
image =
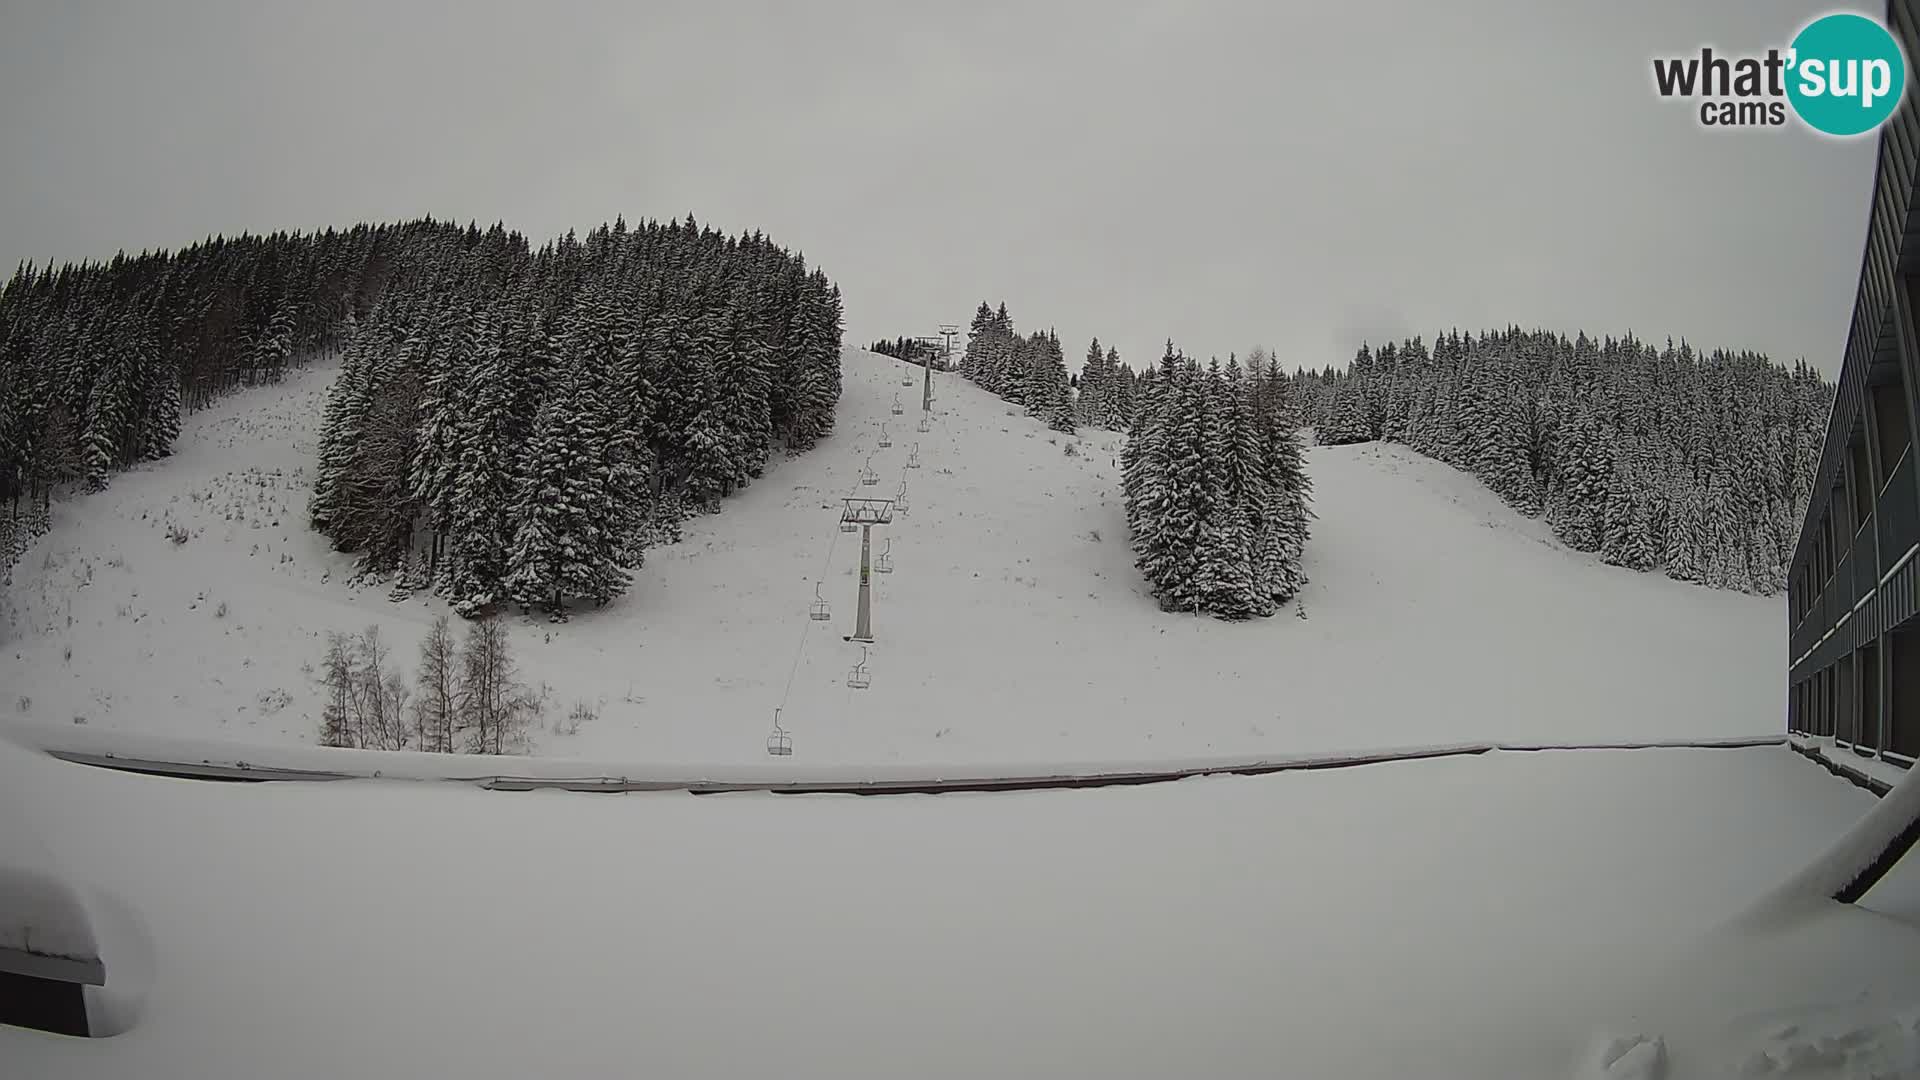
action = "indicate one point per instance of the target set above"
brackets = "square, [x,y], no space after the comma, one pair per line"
[98,360]
[912,350]
[508,424]
[518,427]
[1027,370]
[1216,488]
[1105,391]
[1698,465]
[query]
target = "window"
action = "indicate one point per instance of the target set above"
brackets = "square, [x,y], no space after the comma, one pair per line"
[1860,480]
[1903,695]
[1890,419]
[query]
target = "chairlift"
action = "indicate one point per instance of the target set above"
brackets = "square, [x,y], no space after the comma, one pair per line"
[900,497]
[884,564]
[779,743]
[913,459]
[868,477]
[858,678]
[848,526]
[886,440]
[817,611]
[897,407]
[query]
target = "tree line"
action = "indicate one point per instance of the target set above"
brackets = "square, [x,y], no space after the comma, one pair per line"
[911,350]
[1027,370]
[1213,472]
[1699,465]
[1696,465]
[1215,486]
[508,425]
[517,427]
[99,360]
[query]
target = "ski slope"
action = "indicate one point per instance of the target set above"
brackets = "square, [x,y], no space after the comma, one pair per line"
[1013,628]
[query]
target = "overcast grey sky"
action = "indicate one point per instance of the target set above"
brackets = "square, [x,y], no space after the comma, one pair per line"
[1224,174]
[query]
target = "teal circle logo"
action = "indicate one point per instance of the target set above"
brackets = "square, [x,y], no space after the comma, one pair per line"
[1846,74]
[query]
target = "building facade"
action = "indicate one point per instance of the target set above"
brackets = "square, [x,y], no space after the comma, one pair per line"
[1853,585]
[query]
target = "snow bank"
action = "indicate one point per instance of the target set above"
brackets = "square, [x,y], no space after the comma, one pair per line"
[1840,870]
[1629,1057]
[41,917]
[177,755]
[1465,917]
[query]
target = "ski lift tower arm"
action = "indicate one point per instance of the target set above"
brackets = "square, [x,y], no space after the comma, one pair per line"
[867,512]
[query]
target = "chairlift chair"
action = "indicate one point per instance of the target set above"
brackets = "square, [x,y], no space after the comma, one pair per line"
[886,440]
[848,526]
[900,498]
[858,678]
[923,426]
[817,611]
[897,407]
[884,564]
[779,743]
[868,477]
[913,459]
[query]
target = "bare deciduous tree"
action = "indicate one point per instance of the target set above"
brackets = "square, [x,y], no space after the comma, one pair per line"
[382,696]
[438,707]
[470,699]
[336,718]
[497,707]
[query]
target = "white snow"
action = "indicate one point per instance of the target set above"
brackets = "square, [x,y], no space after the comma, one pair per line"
[39,915]
[140,751]
[1008,632]
[1628,1057]
[1849,854]
[1497,914]
[1851,760]
[1465,917]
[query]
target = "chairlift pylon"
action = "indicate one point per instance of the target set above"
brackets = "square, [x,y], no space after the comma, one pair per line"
[886,439]
[818,611]
[859,678]
[779,743]
[883,563]
[868,477]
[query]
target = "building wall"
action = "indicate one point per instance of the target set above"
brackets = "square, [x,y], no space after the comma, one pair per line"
[1853,585]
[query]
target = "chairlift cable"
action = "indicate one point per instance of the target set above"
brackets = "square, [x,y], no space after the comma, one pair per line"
[801,649]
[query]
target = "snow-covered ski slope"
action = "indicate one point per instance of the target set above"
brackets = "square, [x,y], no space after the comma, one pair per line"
[1013,628]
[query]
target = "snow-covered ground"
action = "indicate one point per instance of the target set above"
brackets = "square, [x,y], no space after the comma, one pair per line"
[1503,915]
[1465,918]
[1014,627]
